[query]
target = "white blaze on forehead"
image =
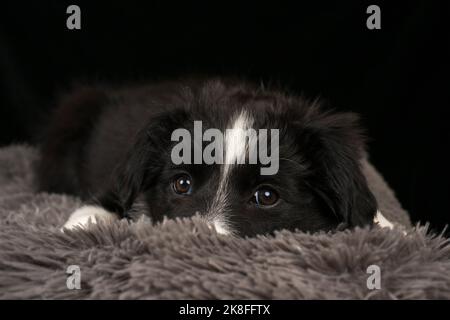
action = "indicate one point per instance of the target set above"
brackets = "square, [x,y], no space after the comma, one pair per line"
[235,139]
[235,152]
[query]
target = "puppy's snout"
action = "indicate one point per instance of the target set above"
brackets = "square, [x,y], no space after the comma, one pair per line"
[219,227]
[214,223]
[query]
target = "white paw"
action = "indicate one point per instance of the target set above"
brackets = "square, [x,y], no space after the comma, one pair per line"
[382,221]
[82,216]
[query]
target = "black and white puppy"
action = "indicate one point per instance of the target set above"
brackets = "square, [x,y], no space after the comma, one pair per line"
[113,146]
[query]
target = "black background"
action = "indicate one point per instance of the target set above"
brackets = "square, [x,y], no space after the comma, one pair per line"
[397,78]
[279,309]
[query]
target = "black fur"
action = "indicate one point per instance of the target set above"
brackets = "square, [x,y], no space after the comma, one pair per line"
[113,145]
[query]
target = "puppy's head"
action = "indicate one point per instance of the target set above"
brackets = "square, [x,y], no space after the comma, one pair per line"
[315,182]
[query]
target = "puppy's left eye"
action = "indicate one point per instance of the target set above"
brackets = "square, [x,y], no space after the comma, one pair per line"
[265,196]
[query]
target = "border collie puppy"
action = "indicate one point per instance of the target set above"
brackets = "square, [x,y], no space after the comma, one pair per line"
[114,146]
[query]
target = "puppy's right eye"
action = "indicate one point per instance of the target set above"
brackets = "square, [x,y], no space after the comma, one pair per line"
[182,184]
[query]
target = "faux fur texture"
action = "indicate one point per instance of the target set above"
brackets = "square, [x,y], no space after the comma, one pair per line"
[185,259]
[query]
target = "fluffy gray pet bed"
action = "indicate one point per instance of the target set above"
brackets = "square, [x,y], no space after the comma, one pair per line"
[185,259]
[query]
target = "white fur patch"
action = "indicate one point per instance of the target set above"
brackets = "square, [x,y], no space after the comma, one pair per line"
[235,153]
[82,216]
[382,221]
[235,139]
[220,227]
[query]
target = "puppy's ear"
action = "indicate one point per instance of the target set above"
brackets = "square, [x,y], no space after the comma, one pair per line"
[142,163]
[334,146]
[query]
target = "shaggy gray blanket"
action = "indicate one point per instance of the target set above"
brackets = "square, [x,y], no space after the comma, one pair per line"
[185,259]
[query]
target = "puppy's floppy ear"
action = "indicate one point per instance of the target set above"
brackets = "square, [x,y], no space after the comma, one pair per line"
[334,146]
[142,163]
